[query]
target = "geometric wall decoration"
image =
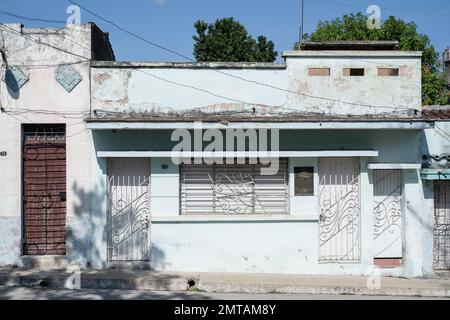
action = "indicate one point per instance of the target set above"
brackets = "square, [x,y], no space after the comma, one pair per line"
[68,77]
[15,78]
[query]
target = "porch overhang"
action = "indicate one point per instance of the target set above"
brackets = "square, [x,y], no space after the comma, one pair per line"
[300,125]
[243,154]
[435,174]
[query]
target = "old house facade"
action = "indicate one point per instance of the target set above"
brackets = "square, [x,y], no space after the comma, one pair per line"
[45,95]
[348,192]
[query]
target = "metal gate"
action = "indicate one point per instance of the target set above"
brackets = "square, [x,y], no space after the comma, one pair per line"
[387,213]
[339,237]
[129,209]
[441,250]
[44,188]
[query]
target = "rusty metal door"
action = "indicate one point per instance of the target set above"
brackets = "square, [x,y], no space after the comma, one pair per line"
[339,205]
[129,209]
[441,252]
[387,212]
[44,188]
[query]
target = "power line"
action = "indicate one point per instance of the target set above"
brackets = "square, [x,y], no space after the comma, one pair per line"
[129,32]
[11,14]
[221,72]
[212,93]
[43,43]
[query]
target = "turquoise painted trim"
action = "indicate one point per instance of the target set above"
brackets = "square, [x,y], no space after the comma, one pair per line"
[435,174]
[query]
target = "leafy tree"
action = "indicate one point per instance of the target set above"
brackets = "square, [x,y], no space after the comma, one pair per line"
[354,27]
[227,40]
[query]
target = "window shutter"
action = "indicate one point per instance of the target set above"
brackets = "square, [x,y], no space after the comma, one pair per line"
[233,189]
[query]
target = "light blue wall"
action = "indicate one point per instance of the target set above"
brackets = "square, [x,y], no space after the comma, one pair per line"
[10,240]
[393,145]
[264,246]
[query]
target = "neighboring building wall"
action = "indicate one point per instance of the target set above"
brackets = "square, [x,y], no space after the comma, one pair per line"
[446,58]
[435,142]
[42,100]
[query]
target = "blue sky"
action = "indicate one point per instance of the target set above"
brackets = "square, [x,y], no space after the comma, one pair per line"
[170,22]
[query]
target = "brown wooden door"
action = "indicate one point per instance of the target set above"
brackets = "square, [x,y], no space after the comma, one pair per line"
[44,171]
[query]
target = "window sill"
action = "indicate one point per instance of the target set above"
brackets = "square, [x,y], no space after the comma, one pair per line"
[234,218]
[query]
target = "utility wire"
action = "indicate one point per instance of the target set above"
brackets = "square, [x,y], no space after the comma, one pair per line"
[204,90]
[43,43]
[221,72]
[14,15]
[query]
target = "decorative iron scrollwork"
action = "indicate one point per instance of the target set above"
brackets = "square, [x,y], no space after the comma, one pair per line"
[234,193]
[129,214]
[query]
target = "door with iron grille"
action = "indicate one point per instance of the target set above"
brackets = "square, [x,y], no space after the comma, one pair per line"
[387,214]
[129,209]
[339,205]
[44,188]
[441,252]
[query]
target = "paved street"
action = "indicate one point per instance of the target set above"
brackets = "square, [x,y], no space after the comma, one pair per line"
[16,293]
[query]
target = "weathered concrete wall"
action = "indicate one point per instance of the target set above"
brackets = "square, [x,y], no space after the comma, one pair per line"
[269,246]
[270,88]
[43,100]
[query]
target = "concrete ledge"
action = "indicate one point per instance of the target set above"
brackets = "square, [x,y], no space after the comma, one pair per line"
[44,262]
[188,65]
[317,284]
[229,282]
[234,218]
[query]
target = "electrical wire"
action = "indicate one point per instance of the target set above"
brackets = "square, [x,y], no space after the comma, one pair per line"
[209,92]
[225,73]
[14,15]
[43,43]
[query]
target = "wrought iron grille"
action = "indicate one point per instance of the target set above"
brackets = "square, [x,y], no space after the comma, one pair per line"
[387,213]
[441,248]
[339,203]
[129,217]
[44,185]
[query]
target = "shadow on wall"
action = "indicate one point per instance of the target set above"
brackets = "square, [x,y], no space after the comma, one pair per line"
[87,233]
[12,84]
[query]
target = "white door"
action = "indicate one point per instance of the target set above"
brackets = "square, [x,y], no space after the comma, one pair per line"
[387,211]
[339,237]
[129,209]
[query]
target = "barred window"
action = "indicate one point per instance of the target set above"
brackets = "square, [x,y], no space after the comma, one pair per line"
[233,189]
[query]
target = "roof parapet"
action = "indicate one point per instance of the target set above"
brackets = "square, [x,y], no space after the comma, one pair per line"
[350,45]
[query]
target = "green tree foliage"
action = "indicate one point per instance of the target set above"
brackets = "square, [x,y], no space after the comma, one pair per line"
[354,27]
[226,40]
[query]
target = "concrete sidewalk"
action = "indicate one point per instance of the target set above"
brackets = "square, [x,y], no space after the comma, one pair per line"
[227,282]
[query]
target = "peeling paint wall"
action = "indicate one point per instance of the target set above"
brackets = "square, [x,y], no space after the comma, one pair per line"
[159,88]
[289,247]
[42,100]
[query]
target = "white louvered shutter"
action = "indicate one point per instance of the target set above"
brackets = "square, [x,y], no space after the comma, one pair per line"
[233,189]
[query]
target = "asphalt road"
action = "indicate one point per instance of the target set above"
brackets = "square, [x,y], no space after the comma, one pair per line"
[16,293]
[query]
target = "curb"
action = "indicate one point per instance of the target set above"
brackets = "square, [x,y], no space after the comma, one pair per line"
[326,290]
[185,282]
